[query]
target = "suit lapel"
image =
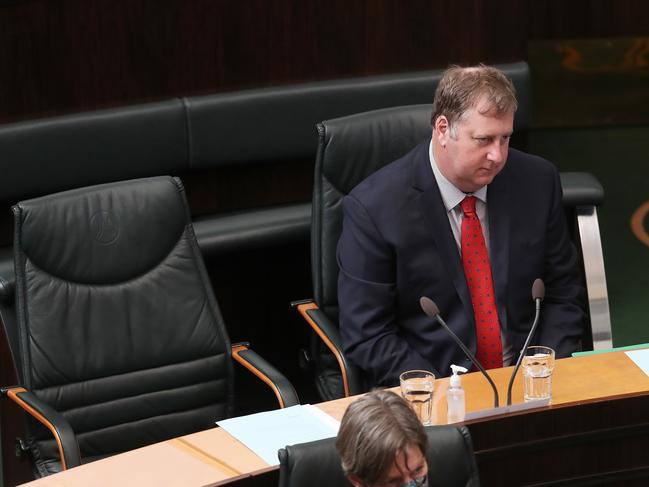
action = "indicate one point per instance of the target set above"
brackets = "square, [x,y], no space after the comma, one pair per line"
[432,207]
[498,201]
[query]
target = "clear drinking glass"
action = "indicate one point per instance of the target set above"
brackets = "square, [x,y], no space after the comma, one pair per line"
[538,365]
[417,388]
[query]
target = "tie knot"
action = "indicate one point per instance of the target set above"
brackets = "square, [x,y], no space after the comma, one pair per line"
[468,206]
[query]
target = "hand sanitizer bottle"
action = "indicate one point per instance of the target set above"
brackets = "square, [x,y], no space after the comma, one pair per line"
[455,396]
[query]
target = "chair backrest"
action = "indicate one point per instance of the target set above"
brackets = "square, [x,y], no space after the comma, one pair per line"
[350,149]
[450,457]
[119,329]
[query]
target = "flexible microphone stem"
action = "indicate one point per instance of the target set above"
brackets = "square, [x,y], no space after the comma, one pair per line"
[538,292]
[471,357]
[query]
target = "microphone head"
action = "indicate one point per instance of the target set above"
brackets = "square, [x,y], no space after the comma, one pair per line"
[429,306]
[538,290]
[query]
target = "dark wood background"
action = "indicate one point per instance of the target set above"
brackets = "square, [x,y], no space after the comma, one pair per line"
[63,56]
[66,56]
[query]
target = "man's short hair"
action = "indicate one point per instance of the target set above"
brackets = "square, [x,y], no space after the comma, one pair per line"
[460,89]
[374,429]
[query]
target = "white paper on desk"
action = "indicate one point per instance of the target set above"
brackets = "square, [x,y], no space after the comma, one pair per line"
[641,358]
[265,433]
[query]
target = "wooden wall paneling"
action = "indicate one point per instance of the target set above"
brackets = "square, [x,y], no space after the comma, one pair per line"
[74,55]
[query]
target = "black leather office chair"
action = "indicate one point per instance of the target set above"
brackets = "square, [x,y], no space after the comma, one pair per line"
[121,341]
[350,149]
[450,457]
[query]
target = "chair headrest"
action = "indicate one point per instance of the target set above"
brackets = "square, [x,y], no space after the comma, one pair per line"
[370,140]
[102,234]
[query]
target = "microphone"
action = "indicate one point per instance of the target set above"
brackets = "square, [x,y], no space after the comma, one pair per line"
[538,293]
[432,311]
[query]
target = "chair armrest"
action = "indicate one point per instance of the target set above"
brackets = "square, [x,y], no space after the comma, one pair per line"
[255,363]
[581,189]
[52,420]
[582,194]
[330,335]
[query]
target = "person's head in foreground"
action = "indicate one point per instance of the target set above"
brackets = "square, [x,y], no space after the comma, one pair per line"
[382,443]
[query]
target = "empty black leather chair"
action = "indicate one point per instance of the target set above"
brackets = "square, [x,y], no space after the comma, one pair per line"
[121,341]
[450,457]
[350,149]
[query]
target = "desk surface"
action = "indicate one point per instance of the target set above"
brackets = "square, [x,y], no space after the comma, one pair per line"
[575,380]
[213,457]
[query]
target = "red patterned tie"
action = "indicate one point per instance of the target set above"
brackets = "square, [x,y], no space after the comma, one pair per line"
[477,270]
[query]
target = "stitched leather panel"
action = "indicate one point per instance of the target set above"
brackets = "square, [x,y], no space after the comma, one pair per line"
[113,329]
[68,397]
[145,406]
[135,434]
[130,405]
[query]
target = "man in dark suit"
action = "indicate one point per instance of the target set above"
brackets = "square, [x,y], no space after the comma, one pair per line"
[471,224]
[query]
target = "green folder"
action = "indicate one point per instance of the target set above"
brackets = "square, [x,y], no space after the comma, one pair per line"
[616,349]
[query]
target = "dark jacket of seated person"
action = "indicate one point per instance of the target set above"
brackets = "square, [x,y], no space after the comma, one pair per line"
[402,239]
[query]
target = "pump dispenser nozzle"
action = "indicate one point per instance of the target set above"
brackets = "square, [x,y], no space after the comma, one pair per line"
[455,378]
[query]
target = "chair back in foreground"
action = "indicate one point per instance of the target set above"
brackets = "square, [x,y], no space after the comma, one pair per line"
[450,457]
[119,329]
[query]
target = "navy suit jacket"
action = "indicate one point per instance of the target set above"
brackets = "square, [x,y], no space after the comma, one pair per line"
[397,245]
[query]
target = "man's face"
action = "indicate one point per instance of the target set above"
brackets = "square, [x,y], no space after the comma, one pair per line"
[409,468]
[472,155]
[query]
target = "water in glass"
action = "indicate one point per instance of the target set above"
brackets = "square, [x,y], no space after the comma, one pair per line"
[420,396]
[537,373]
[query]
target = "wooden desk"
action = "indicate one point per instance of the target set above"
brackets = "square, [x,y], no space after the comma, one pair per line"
[598,424]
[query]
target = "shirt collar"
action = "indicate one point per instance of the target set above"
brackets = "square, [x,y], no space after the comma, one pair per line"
[451,196]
